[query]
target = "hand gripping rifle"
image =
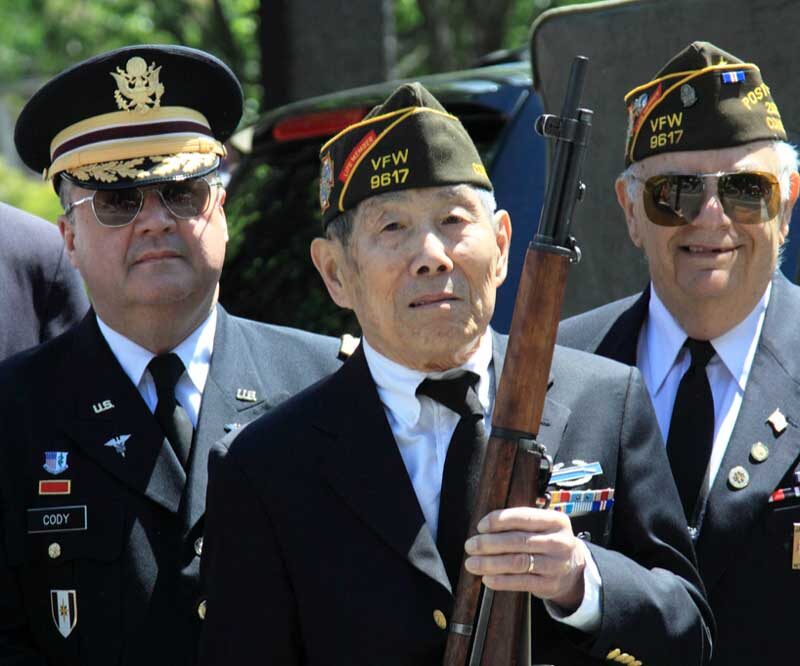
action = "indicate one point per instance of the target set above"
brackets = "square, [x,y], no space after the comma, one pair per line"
[516,469]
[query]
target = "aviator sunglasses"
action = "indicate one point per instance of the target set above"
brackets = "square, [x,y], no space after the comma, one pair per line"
[747,197]
[184,199]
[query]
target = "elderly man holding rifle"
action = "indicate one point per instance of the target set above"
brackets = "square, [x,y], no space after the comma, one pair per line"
[336,524]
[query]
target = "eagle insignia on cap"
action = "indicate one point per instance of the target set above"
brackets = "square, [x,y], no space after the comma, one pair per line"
[139,84]
[325,182]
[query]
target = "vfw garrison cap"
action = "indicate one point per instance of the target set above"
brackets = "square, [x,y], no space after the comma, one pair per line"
[704,98]
[408,141]
[135,115]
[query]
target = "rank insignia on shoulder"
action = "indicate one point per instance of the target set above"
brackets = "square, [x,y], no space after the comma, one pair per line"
[576,474]
[55,487]
[55,462]
[246,395]
[64,610]
[118,443]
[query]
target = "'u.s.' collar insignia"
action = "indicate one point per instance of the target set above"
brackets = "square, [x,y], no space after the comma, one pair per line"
[688,95]
[246,395]
[778,421]
[576,474]
[55,462]
[118,443]
[138,87]
[64,610]
[325,182]
[230,427]
[104,406]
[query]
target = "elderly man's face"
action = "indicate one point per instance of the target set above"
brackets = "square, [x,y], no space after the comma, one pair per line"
[712,258]
[420,271]
[155,262]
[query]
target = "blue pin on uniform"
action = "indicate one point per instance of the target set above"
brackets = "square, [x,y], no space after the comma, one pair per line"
[55,462]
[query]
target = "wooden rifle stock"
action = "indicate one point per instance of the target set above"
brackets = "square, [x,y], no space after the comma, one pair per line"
[490,636]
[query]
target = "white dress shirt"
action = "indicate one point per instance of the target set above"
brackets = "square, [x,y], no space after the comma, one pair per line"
[194,351]
[663,361]
[422,429]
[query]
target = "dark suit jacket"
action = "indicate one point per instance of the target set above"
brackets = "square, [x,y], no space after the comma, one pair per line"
[41,294]
[133,557]
[744,548]
[335,564]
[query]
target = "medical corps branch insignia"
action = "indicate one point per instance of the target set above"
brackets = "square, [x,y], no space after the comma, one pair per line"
[64,609]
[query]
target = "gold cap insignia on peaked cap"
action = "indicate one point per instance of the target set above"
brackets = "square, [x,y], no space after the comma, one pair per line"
[138,87]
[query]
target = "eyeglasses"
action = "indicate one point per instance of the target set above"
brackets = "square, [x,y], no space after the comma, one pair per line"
[747,197]
[184,199]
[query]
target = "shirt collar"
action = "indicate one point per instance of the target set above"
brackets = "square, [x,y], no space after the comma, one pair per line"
[735,348]
[194,351]
[397,384]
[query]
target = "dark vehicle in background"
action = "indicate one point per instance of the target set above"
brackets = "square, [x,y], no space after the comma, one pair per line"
[273,198]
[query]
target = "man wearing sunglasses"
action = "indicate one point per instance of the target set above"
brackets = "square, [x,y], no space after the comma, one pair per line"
[106,430]
[707,195]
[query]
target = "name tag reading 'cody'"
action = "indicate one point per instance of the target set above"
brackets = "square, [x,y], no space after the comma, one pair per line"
[57,519]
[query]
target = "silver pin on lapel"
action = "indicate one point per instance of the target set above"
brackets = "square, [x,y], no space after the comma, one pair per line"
[118,443]
[246,395]
[104,406]
[778,421]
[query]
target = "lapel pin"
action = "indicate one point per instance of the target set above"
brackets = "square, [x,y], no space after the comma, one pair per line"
[246,395]
[759,452]
[232,426]
[55,462]
[64,610]
[55,487]
[576,474]
[778,421]
[738,477]
[100,407]
[118,443]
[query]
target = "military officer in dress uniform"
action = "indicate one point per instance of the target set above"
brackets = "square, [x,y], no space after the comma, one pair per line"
[42,293]
[345,510]
[707,195]
[106,429]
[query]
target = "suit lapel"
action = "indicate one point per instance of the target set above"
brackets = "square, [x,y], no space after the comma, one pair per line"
[366,470]
[110,422]
[731,514]
[234,395]
[622,338]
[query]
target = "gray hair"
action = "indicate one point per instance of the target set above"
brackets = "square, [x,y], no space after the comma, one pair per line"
[65,193]
[341,227]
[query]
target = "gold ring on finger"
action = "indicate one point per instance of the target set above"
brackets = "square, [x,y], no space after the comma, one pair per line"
[531,563]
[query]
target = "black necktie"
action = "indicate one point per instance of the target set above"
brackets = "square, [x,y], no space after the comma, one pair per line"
[171,416]
[691,428]
[461,466]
